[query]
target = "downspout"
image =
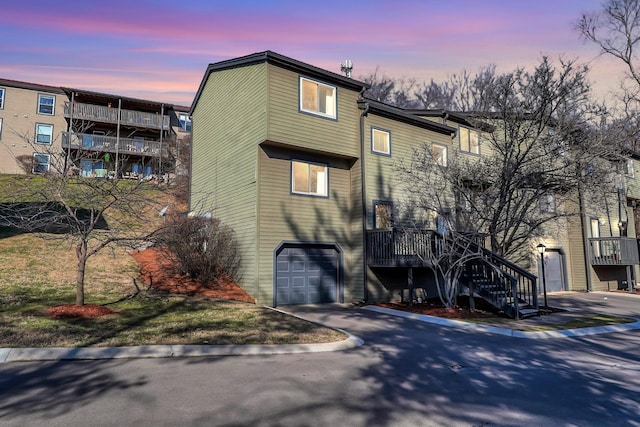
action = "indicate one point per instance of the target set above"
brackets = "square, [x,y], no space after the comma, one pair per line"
[363,106]
[67,160]
[161,132]
[585,240]
[116,171]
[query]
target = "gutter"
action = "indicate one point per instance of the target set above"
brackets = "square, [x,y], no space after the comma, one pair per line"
[363,106]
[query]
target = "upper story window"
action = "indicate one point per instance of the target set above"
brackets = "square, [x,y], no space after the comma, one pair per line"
[380,141]
[46,104]
[317,98]
[439,153]
[1,98]
[309,178]
[44,133]
[185,122]
[469,140]
[382,214]
[629,168]
[547,203]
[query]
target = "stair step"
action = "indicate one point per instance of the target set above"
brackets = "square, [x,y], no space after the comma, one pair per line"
[526,312]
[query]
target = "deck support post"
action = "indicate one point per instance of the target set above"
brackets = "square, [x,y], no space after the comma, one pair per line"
[629,284]
[410,285]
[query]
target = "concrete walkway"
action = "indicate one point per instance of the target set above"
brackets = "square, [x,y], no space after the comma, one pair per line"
[576,305]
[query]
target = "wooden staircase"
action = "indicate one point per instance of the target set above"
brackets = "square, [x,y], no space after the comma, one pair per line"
[502,283]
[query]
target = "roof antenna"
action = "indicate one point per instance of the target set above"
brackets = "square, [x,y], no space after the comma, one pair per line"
[346,67]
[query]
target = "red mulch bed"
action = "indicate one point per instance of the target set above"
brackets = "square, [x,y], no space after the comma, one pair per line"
[157,272]
[434,307]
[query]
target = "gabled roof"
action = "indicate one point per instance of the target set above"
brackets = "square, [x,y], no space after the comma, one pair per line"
[405,116]
[30,86]
[283,62]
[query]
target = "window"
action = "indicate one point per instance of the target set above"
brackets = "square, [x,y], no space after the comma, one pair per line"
[41,162]
[1,98]
[439,153]
[309,178]
[547,203]
[46,104]
[382,214]
[380,141]
[469,140]
[44,133]
[629,170]
[317,98]
[185,123]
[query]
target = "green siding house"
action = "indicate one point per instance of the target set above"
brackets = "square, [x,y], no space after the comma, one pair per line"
[297,162]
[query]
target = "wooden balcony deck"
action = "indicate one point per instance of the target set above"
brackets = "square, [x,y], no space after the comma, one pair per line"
[400,248]
[98,113]
[613,251]
[107,144]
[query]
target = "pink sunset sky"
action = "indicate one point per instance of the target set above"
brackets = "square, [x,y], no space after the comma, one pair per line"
[159,50]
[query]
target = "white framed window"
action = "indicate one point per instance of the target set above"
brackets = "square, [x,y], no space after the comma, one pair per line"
[381,141]
[439,153]
[317,98]
[2,91]
[185,122]
[547,203]
[44,133]
[629,168]
[469,140]
[41,162]
[309,178]
[46,104]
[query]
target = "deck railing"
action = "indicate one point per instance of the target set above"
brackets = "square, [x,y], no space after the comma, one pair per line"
[401,247]
[107,144]
[98,113]
[613,251]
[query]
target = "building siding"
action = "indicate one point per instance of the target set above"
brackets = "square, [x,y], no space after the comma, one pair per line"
[229,122]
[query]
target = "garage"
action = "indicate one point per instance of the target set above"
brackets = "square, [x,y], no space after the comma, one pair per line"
[306,274]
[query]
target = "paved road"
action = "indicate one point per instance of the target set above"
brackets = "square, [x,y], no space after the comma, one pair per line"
[407,373]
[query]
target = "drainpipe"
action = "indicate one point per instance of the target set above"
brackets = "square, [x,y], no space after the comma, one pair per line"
[585,240]
[70,136]
[161,131]
[363,106]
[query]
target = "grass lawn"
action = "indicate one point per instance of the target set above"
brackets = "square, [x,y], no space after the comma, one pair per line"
[37,274]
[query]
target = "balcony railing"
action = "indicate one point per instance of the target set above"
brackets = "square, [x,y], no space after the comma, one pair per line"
[107,144]
[401,247]
[98,113]
[613,251]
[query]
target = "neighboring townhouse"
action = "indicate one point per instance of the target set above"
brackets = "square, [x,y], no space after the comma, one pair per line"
[31,124]
[92,134]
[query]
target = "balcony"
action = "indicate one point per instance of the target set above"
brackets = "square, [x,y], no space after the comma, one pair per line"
[107,144]
[613,251]
[401,248]
[98,113]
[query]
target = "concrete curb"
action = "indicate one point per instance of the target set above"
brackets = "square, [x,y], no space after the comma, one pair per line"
[508,332]
[164,351]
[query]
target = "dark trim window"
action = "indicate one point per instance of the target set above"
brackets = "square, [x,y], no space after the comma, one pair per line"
[317,98]
[310,179]
[41,162]
[382,214]
[381,141]
[469,140]
[46,104]
[185,122]
[547,203]
[44,133]
[2,91]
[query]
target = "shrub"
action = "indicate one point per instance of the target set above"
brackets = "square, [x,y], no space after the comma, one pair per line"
[201,248]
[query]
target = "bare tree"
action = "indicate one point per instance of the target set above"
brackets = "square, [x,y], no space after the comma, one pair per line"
[398,92]
[92,213]
[540,146]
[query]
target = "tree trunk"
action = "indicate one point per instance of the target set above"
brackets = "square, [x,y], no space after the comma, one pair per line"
[81,254]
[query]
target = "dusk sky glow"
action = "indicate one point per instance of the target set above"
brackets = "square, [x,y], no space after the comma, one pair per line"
[159,49]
